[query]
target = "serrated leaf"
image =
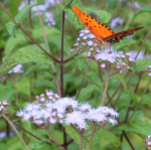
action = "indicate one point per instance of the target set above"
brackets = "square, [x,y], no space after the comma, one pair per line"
[40,144]
[147,9]
[104,15]
[37,67]
[9,47]
[101,138]
[11,27]
[123,80]
[125,42]
[92,76]
[142,64]
[30,53]
[131,95]
[9,95]
[86,92]
[146,99]
[22,13]
[141,128]
[44,83]
[81,65]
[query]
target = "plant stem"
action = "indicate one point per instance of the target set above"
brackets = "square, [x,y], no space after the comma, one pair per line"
[16,131]
[81,146]
[54,139]
[62,67]
[69,3]
[148,33]
[105,90]
[91,138]
[46,41]
[126,14]
[117,8]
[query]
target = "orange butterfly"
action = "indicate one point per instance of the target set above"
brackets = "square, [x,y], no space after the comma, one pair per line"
[102,32]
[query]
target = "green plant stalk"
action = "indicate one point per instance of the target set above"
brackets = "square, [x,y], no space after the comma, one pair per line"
[105,89]
[46,41]
[16,131]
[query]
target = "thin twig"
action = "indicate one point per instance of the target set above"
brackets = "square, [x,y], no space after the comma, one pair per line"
[91,138]
[143,43]
[69,3]
[105,89]
[126,14]
[46,41]
[117,8]
[149,3]
[15,131]
[31,133]
[59,145]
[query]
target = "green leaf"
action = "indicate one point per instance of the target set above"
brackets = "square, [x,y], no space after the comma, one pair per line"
[142,64]
[123,80]
[9,95]
[104,15]
[146,99]
[19,40]
[22,13]
[11,27]
[92,76]
[30,53]
[81,65]
[40,144]
[147,9]
[131,95]
[101,138]
[45,83]
[86,92]
[125,42]
[141,128]
[76,21]
[37,67]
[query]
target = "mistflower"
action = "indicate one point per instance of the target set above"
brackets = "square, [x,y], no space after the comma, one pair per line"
[103,65]
[16,69]
[148,141]
[3,105]
[116,22]
[66,110]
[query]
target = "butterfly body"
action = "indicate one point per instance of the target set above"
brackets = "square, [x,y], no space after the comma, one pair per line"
[102,32]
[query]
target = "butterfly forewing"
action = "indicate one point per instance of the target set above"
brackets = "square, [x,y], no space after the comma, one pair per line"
[101,31]
[98,29]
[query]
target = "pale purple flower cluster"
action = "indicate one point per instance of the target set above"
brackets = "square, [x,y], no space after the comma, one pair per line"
[148,142]
[17,69]
[85,39]
[49,19]
[51,109]
[3,104]
[149,67]
[135,5]
[115,22]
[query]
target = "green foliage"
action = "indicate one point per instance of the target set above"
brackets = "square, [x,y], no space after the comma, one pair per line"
[141,128]
[104,15]
[86,92]
[30,53]
[142,64]
[147,9]
[131,95]
[102,138]
[125,42]
[146,99]
[92,76]
[122,78]
[11,26]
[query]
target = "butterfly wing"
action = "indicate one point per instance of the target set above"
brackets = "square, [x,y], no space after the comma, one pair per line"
[97,28]
[116,37]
